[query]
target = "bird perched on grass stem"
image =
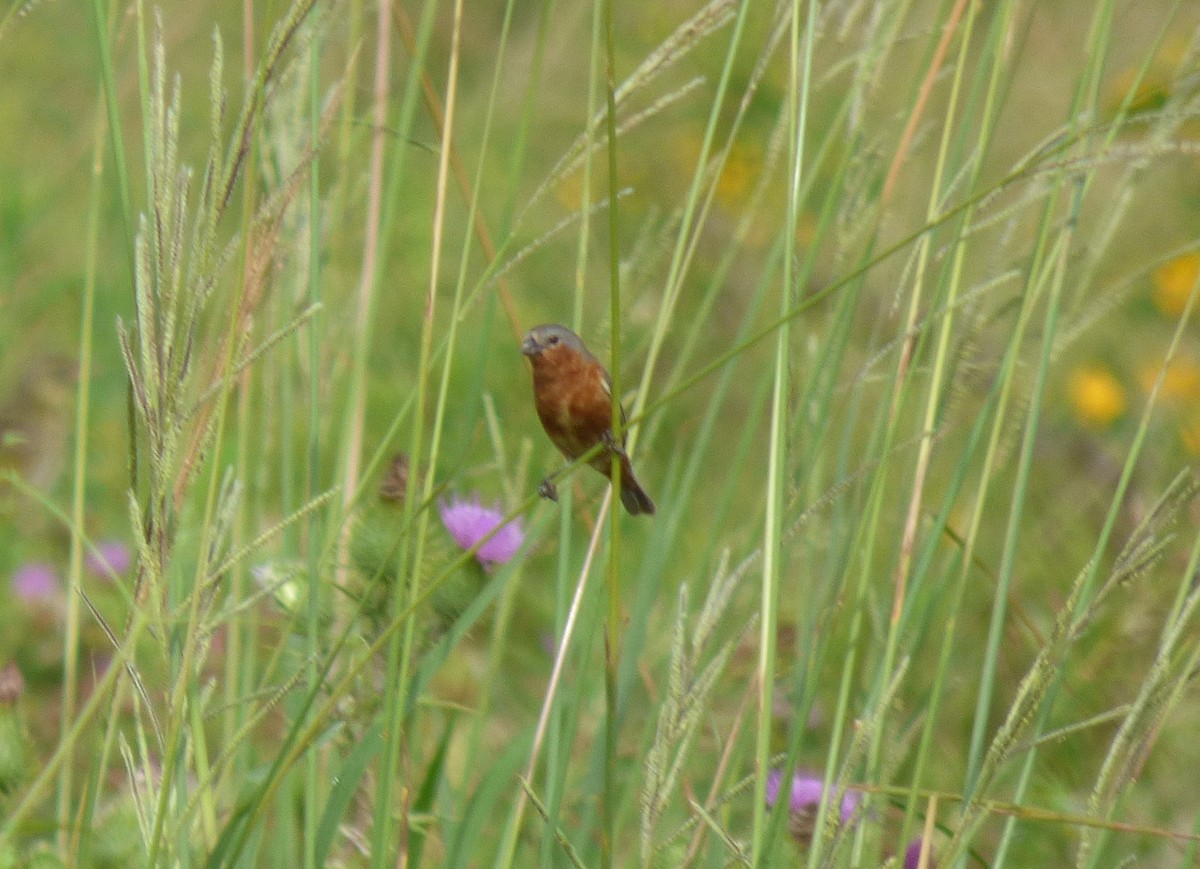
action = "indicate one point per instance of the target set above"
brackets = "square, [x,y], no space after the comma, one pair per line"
[573,396]
[36,420]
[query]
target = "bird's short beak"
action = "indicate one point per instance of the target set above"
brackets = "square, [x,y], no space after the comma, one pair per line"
[529,347]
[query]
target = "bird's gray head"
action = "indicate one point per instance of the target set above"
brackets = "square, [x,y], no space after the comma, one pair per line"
[550,336]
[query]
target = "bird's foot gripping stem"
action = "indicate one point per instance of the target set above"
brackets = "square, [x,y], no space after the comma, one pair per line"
[610,444]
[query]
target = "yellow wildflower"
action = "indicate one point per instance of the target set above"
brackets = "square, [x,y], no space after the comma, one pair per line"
[1180,383]
[1152,92]
[739,172]
[1156,84]
[1173,283]
[741,168]
[1189,434]
[1097,397]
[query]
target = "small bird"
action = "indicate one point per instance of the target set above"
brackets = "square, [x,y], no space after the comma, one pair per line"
[573,396]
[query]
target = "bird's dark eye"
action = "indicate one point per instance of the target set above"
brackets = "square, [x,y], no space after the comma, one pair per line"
[552,340]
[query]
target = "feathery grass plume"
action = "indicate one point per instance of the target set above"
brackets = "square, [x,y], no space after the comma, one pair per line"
[678,45]
[234,559]
[1147,542]
[1141,550]
[689,684]
[174,280]
[181,265]
[1171,670]
[973,363]
[1166,128]
[1157,698]
[837,825]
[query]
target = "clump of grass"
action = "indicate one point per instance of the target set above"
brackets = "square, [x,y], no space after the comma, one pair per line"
[1078,612]
[172,351]
[690,682]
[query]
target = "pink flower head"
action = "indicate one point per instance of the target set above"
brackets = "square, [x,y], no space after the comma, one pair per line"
[468,522]
[35,581]
[109,559]
[806,794]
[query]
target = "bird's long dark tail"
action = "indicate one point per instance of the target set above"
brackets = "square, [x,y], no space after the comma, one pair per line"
[634,498]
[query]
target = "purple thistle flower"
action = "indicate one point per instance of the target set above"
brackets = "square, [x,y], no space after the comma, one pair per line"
[35,581]
[806,794]
[468,522]
[109,559]
[912,855]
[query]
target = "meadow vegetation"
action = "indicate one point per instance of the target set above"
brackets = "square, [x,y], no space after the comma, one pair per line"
[900,300]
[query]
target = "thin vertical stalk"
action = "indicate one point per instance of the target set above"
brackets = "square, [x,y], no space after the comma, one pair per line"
[351,444]
[240,635]
[380,228]
[66,801]
[508,843]
[352,441]
[105,694]
[313,786]
[946,328]
[1100,28]
[612,633]
[901,382]
[556,739]
[1000,34]
[108,79]
[933,400]
[688,225]
[401,649]
[471,191]
[799,83]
